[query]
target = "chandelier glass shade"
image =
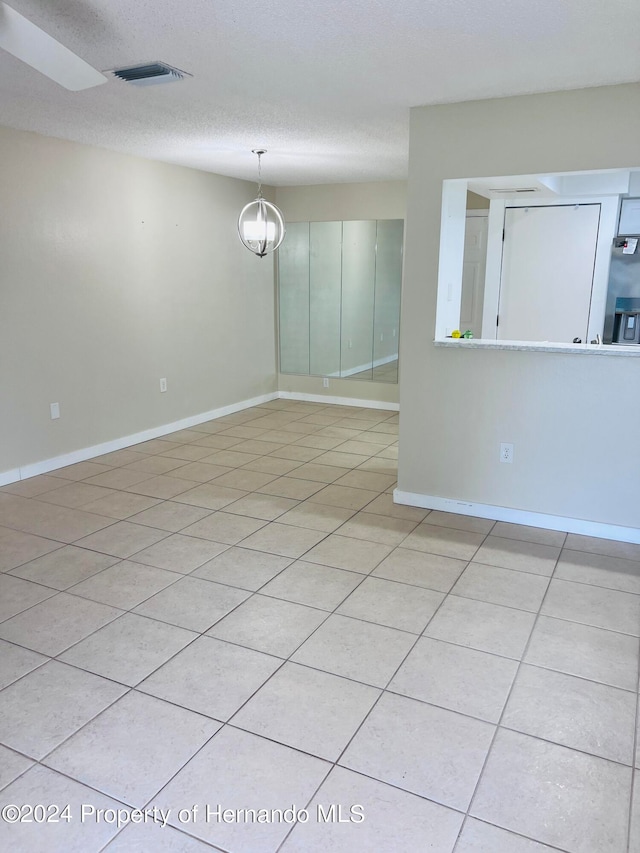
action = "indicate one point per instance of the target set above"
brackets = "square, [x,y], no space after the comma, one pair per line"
[260,224]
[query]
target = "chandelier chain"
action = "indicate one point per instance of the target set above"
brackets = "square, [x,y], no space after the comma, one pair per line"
[259,174]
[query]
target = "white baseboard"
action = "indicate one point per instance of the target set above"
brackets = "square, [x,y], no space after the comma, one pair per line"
[47,465]
[340,401]
[520,516]
[55,462]
[11,476]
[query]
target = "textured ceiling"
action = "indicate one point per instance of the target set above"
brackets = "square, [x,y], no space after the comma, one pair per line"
[325,86]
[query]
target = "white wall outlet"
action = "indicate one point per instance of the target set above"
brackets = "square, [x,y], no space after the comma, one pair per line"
[55,411]
[394,333]
[381,336]
[325,382]
[506,452]
[163,385]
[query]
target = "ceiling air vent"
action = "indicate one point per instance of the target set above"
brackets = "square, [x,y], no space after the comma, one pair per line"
[512,190]
[149,73]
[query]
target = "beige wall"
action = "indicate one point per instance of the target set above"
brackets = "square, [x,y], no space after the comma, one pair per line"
[476,202]
[328,203]
[576,445]
[117,271]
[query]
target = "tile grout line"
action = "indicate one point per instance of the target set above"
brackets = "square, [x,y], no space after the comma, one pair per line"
[229,722]
[375,704]
[635,773]
[335,763]
[510,832]
[506,702]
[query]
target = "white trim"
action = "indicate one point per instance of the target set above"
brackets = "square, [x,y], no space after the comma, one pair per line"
[450,257]
[7,477]
[520,516]
[477,211]
[340,401]
[85,453]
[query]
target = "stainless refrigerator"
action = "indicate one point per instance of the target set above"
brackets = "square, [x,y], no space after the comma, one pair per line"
[623,294]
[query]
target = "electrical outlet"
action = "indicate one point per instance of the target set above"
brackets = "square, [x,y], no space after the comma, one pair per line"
[381,336]
[506,452]
[54,408]
[163,386]
[350,344]
[325,383]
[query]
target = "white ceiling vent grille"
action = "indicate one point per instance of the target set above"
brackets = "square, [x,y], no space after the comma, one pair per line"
[149,73]
[512,190]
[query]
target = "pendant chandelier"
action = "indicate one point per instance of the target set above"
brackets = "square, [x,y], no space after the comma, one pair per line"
[260,224]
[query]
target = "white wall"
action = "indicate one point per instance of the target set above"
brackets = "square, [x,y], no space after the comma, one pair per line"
[334,202]
[576,452]
[116,271]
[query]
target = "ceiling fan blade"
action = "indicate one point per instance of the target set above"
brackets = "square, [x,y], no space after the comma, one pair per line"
[25,41]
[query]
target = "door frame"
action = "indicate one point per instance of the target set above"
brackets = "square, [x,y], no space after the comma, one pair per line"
[479,213]
[609,206]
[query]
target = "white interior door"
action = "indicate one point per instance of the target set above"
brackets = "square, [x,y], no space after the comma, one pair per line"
[473,270]
[547,272]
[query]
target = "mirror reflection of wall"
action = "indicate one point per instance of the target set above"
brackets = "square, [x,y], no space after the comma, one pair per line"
[293,267]
[325,263]
[386,321]
[339,299]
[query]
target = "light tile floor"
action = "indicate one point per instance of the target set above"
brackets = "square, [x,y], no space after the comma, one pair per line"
[238,615]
